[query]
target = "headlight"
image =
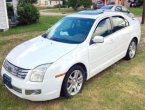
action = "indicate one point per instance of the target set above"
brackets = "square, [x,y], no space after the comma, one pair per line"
[38,73]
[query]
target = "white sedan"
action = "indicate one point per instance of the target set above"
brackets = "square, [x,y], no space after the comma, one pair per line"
[75,49]
[118,8]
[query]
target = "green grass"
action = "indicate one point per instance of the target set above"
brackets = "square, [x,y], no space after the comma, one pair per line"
[43,24]
[43,7]
[120,87]
[136,11]
[62,10]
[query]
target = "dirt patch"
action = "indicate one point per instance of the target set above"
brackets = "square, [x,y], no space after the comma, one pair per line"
[142,44]
[20,36]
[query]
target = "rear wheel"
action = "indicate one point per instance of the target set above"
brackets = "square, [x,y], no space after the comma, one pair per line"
[131,50]
[73,81]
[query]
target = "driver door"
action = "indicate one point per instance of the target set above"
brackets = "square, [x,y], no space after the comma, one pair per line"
[100,54]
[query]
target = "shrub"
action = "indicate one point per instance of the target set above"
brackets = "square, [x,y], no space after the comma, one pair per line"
[27,1]
[74,4]
[10,10]
[86,3]
[27,13]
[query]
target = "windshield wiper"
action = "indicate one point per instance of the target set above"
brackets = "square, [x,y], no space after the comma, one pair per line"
[45,35]
[54,39]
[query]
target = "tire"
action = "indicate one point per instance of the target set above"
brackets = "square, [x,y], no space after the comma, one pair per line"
[131,52]
[73,82]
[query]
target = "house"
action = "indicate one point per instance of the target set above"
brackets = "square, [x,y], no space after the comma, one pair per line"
[4,25]
[117,2]
[50,3]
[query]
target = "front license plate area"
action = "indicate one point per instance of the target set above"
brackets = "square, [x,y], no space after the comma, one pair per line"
[7,81]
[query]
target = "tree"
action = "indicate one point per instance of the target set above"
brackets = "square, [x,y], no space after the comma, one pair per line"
[27,1]
[64,2]
[143,13]
[26,12]
[86,3]
[16,2]
[77,3]
[59,5]
[74,4]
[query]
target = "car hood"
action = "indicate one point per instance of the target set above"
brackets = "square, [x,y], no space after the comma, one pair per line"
[38,51]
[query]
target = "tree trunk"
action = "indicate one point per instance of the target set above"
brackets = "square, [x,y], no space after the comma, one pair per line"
[143,14]
[59,5]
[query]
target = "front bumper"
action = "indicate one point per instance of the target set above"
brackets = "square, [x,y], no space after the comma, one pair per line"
[34,91]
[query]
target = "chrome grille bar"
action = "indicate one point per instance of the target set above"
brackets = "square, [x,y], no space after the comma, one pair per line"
[15,70]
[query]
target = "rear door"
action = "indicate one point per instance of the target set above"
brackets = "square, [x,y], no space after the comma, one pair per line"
[121,33]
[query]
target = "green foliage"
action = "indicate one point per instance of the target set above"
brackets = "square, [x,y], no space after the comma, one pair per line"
[76,3]
[141,1]
[64,2]
[61,6]
[10,10]
[27,13]
[136,11]
[27,1]
[8,0]
[86,3]
[42,25]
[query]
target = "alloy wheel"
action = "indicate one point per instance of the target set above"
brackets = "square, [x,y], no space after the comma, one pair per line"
[75,82]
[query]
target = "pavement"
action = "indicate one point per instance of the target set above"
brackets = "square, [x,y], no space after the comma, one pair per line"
[45,12]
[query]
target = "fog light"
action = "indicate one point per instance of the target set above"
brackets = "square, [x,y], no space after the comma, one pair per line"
[33,92]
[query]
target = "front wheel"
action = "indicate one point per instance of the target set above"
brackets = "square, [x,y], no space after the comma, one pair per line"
[73,81]
[131,50]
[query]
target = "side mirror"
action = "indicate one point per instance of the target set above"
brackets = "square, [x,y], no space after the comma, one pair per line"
[98,39]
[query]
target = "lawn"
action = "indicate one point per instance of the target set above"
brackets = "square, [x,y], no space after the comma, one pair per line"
[62,10]
[42,25]
[136,11]
[120,87]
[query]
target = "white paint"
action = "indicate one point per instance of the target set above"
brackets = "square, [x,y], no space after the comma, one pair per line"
[4,25]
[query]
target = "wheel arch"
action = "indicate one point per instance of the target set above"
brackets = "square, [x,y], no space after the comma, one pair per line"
[136,39]
[83,66]
[76,64]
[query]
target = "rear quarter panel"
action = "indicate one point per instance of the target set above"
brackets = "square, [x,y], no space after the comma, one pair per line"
[136,28]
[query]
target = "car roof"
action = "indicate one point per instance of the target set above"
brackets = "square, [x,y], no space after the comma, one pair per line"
[94,14]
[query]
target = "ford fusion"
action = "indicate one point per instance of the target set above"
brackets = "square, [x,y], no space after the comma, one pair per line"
[72,51]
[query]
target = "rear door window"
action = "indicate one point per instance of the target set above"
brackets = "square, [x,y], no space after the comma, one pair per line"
[119,23]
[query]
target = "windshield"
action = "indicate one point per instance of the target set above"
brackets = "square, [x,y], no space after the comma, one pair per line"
[107,7]
[70,30]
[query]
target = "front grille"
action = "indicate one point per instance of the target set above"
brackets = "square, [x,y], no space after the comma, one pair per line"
[14,70]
